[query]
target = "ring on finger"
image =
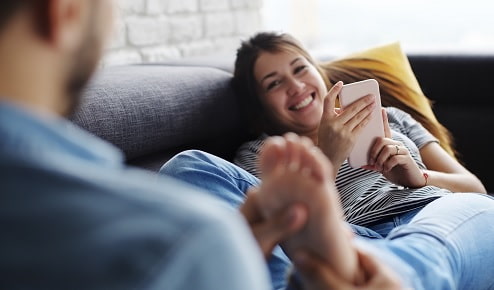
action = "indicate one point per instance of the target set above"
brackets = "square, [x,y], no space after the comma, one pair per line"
[397,150]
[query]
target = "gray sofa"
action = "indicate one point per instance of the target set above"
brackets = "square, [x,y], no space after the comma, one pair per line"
[154,111]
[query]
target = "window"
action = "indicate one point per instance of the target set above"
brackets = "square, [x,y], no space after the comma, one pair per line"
[421,26]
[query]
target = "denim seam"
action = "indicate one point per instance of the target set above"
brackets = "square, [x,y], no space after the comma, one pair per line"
[241,179]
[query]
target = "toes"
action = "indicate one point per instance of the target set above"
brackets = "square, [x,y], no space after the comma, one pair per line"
[272,154]
[313,158]
[296,154]
[293,152]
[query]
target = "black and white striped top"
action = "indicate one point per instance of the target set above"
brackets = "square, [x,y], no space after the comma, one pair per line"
[367,196]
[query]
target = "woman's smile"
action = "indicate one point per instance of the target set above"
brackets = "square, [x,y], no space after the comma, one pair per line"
[304,103]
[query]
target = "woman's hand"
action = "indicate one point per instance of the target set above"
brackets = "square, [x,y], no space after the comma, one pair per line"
[315,274]
[339,128]
[394,161]
[270,232]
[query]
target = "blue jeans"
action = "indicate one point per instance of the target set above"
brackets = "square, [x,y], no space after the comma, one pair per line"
[230,183]
[447,245]
[386,225]
[440,248]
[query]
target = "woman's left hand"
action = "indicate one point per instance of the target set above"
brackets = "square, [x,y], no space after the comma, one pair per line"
[393,160]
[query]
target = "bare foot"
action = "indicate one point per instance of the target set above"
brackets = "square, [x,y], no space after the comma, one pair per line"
[294,170]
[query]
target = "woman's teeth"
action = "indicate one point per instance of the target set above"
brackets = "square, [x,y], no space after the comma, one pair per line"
[304,103]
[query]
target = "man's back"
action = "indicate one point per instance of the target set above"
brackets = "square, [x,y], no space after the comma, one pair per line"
[74,217]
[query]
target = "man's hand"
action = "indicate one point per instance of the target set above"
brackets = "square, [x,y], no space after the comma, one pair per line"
[278,228]
[315,274]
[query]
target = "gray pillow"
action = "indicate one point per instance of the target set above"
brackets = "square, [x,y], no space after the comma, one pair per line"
[149,108]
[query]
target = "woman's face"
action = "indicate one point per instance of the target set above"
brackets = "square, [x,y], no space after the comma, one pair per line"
[291,90]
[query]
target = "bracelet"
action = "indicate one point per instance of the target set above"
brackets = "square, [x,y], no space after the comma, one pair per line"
[426,177]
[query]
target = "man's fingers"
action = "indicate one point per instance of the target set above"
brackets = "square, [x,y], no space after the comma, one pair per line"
[250,208]
[367,263]
[282,225]
[378,276]
[316,274]
[270,231]
[279,227]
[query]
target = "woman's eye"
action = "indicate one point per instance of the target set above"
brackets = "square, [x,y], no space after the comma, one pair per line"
[272,84]
[299,69]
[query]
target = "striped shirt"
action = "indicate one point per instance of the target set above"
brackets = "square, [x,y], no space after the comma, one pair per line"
[367,196]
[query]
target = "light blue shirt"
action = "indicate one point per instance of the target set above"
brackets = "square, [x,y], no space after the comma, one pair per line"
[73,216]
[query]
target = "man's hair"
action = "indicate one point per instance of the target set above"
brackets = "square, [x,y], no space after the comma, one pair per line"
[8,8]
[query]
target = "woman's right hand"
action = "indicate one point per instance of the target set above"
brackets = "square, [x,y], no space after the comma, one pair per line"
[339,128]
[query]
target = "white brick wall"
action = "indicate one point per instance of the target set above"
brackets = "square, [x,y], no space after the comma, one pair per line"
[159,30]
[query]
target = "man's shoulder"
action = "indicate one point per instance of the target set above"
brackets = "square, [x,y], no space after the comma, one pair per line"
[94,224]
[100,192]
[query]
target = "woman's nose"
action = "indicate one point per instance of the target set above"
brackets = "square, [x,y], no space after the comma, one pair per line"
[296,86]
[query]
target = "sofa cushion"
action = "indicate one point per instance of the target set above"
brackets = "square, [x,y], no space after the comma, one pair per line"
[144,109]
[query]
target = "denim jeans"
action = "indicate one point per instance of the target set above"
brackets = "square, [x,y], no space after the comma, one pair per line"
[445,245]
[385,226]
[230,183]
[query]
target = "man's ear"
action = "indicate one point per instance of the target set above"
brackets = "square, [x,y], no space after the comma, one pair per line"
[65,22]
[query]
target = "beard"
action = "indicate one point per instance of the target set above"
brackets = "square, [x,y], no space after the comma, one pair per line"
[83,63]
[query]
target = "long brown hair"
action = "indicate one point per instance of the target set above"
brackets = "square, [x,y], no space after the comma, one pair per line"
[393,90]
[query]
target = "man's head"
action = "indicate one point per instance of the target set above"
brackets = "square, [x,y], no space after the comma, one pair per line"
[49,49]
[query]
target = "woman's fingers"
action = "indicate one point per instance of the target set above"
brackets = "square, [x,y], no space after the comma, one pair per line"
[387,153]
[358,114]
[387,130]
[330,99]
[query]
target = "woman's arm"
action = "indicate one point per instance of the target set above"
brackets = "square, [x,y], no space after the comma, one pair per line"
[445,172]
[395,162]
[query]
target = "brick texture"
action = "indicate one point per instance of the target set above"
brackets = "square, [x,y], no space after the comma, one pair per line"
[148,31]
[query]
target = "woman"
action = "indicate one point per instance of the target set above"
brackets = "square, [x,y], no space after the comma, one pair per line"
[284,90]
[379,208]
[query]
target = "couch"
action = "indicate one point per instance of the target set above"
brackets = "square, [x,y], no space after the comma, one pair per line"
[152,111]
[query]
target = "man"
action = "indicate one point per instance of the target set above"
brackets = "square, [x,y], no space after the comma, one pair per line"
[72,215]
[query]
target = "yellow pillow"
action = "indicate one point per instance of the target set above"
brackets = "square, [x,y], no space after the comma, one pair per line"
[398,85]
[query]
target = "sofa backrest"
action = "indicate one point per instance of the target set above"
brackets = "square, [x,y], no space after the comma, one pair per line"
[153,111]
